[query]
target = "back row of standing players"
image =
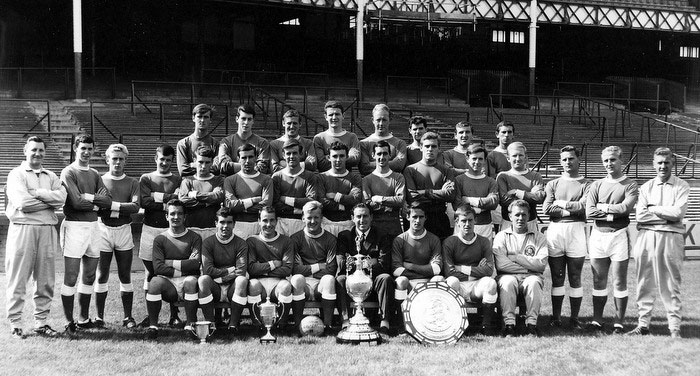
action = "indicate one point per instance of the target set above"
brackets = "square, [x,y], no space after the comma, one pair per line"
[232,172]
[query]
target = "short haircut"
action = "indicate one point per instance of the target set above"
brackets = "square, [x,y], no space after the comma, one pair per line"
[311,206]
[116,148]
[202,109]
[225,211]
[616,150]
[464,209]
[381,144]
[247,108]
[83,139]
[505,123]
[293,143]
[361,205]
[165,150]
[176,202]
[291,113]
[333,104]
[381,107]
[36,139]
[246,147]
[476,148]
[430,136]
[206,152]
[267,209]
[337,146]
[418,120]
[570,148]
[464,124]
[519,203]
[664,152]
[517,145]
[415,205]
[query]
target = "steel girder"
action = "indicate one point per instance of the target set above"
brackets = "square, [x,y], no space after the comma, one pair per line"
[581,13]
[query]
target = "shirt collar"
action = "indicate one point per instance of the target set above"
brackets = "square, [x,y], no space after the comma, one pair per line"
[26,167]
[509,230]
[671,181]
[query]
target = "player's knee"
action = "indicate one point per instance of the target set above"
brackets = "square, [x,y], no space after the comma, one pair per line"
[240,284]
[402,283]
[285,288]
[490,285]
[437,278]
[190,285]
[453,282]
[155,286]
[254,287]
[298,282]
[204,283]
[507,282]
[327,284]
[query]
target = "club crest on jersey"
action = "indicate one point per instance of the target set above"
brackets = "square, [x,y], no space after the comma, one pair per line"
[529,250]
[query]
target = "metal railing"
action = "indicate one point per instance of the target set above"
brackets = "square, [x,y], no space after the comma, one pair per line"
[161,112]
[419,83]
[63,73]
[257,77]
[46,116]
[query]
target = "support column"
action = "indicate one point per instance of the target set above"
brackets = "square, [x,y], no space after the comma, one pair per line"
[360,45]
[78,47]
[534,12]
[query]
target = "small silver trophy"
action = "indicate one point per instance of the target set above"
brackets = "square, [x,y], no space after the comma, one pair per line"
[269,316]
[203,331]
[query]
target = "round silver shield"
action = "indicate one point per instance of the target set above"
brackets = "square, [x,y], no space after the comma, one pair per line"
[435,314]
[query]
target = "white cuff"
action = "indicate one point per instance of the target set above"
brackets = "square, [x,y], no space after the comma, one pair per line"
[158,196]
[272,265]
[218,280]
[231,269]
[337,197]
[520,194]
[247,203]
[177,273]
[609,218]
[436,269]
[89,197]
[399,271]
[476,210]
[192,194]
[95,208]
[116,206]
[473,201]
[377,199]
[114,214]
[315,268]
[177,264]
[341,207]
[297,211]
[165,208]
[465,269]
[289,200]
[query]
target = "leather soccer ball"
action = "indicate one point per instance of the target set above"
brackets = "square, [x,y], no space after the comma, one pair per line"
[311,326]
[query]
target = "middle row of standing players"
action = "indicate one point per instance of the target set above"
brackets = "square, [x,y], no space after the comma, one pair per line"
[394,174]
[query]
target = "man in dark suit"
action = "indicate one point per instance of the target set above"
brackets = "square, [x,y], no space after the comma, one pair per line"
[375,244]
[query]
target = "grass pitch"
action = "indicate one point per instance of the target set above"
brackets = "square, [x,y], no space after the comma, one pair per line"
[122,351]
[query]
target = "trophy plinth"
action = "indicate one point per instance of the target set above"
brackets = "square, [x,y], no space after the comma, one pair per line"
[203,331]
[268,317]
[358,285]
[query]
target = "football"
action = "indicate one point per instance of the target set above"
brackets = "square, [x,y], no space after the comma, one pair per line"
[311,326]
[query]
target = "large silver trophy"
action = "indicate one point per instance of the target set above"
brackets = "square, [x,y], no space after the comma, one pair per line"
[359,284]
[268,316]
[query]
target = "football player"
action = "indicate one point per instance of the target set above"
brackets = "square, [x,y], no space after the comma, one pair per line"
[227,159]
[202,195]
[565,203]
[339,190]
[333,112]
[291,121]
[609,204]
[224,270]
[80,235]
[381,116]
[176,264]
[115,233]
[383,191]
[519,183]
[315,266]
[456,158]
[201,137]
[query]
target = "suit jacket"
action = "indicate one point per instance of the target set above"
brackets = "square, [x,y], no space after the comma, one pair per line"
[377,245]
